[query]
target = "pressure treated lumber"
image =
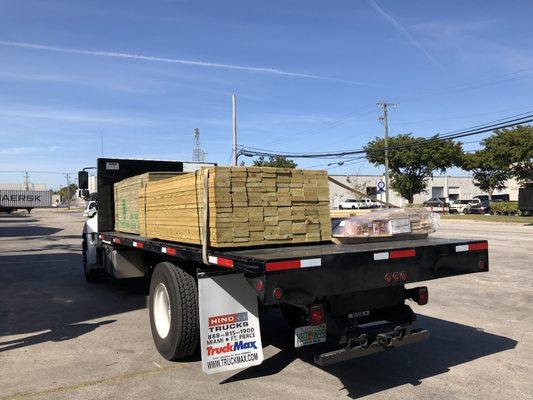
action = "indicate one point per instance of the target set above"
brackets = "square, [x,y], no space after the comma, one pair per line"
[126,193]
[247,206]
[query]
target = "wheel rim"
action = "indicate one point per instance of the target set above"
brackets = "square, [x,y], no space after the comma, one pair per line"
[161,310]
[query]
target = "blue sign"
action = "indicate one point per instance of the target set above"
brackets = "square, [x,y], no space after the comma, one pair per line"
[381,186]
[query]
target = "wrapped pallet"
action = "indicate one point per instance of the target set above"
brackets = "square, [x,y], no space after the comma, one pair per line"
[388,224]
[247,206]
[126,193]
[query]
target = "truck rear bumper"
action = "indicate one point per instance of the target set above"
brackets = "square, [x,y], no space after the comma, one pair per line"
[383,342]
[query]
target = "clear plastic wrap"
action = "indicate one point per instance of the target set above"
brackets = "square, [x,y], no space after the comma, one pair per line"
[389,223]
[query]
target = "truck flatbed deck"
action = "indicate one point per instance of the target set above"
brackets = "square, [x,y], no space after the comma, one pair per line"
[363,266]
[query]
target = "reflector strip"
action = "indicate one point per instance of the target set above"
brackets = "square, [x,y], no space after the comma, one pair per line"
[472,247]
[478,246]
[223,262]
[311,262]
[460,248]
[168,250]
[381,256]
[293,264]
[139,245]
[402,253]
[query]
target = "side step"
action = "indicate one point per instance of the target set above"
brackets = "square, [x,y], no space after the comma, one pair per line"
[383,342]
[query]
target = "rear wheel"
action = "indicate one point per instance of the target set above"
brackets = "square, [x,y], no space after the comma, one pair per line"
[173,304]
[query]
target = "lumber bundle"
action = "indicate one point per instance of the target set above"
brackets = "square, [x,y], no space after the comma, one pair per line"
[247,206]
[126,193]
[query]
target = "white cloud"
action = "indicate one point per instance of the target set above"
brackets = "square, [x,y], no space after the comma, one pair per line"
[403,31]
[78,116]
[13,151]
[140,57]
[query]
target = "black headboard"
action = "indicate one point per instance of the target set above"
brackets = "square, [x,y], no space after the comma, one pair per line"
[112,170]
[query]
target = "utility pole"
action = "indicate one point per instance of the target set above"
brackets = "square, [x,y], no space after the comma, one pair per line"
[234,107]
[384,118]
[102,142]
[26,181]
[68,191]
[198,155]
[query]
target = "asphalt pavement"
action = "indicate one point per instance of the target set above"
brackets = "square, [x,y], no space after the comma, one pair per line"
[62,338]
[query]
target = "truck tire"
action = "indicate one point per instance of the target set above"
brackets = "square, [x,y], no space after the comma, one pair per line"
[91,275]
[173,304]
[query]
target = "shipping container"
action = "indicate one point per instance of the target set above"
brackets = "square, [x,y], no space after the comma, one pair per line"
[12,200]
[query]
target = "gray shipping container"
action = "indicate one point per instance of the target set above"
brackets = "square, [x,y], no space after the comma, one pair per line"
[25,198]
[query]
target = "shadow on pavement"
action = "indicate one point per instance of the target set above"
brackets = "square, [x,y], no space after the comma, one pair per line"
[450,344]
[57,334]
[48,292]
[20,231]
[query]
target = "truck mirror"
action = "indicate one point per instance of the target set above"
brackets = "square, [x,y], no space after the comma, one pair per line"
[83,180]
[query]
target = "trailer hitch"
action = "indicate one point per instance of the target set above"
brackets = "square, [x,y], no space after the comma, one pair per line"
[383,341]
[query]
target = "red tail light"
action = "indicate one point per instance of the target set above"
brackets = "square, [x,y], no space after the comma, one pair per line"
[277,293]
[423,296]
[316,314]
[419,294]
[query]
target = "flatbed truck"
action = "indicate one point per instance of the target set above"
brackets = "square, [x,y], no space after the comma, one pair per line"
[356,292]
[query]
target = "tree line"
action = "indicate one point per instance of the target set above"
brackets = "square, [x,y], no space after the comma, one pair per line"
[507,153]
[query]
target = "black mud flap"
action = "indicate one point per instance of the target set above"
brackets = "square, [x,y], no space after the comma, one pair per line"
[384,341]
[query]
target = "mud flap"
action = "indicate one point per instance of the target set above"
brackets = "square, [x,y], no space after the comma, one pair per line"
[230,336]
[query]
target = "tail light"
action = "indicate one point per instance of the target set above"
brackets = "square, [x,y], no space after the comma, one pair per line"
[419,294]
[277,293]
[316,314]
[423,296]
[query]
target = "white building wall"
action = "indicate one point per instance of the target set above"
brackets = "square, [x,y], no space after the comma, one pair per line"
[461,187]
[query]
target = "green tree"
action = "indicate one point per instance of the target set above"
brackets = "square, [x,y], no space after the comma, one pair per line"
[279,162]
[413,162]
[488,174]
[512,149]
[67,192]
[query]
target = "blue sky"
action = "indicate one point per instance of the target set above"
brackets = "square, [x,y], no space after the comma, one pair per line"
[307,75]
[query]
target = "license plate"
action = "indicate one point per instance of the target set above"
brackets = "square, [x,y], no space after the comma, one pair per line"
[307,335]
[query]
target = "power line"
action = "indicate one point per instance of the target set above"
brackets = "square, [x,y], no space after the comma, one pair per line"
[475,130]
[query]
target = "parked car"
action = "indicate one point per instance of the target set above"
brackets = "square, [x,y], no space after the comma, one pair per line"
[481,208]
[357,203]
[436,202]
[463,206]
[495,197]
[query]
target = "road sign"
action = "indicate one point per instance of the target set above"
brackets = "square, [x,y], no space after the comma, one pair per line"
[380,186]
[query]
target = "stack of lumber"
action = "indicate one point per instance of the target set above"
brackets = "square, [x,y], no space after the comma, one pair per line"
[126,193]
[247,206]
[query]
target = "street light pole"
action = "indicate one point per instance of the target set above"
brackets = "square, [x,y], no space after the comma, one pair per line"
[385,120]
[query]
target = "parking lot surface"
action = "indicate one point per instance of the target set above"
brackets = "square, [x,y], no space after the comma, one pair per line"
[62,338]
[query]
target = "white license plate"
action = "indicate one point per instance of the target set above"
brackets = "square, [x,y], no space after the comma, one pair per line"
[307,335]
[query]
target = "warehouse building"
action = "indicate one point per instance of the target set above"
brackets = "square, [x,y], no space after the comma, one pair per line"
[452,187]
